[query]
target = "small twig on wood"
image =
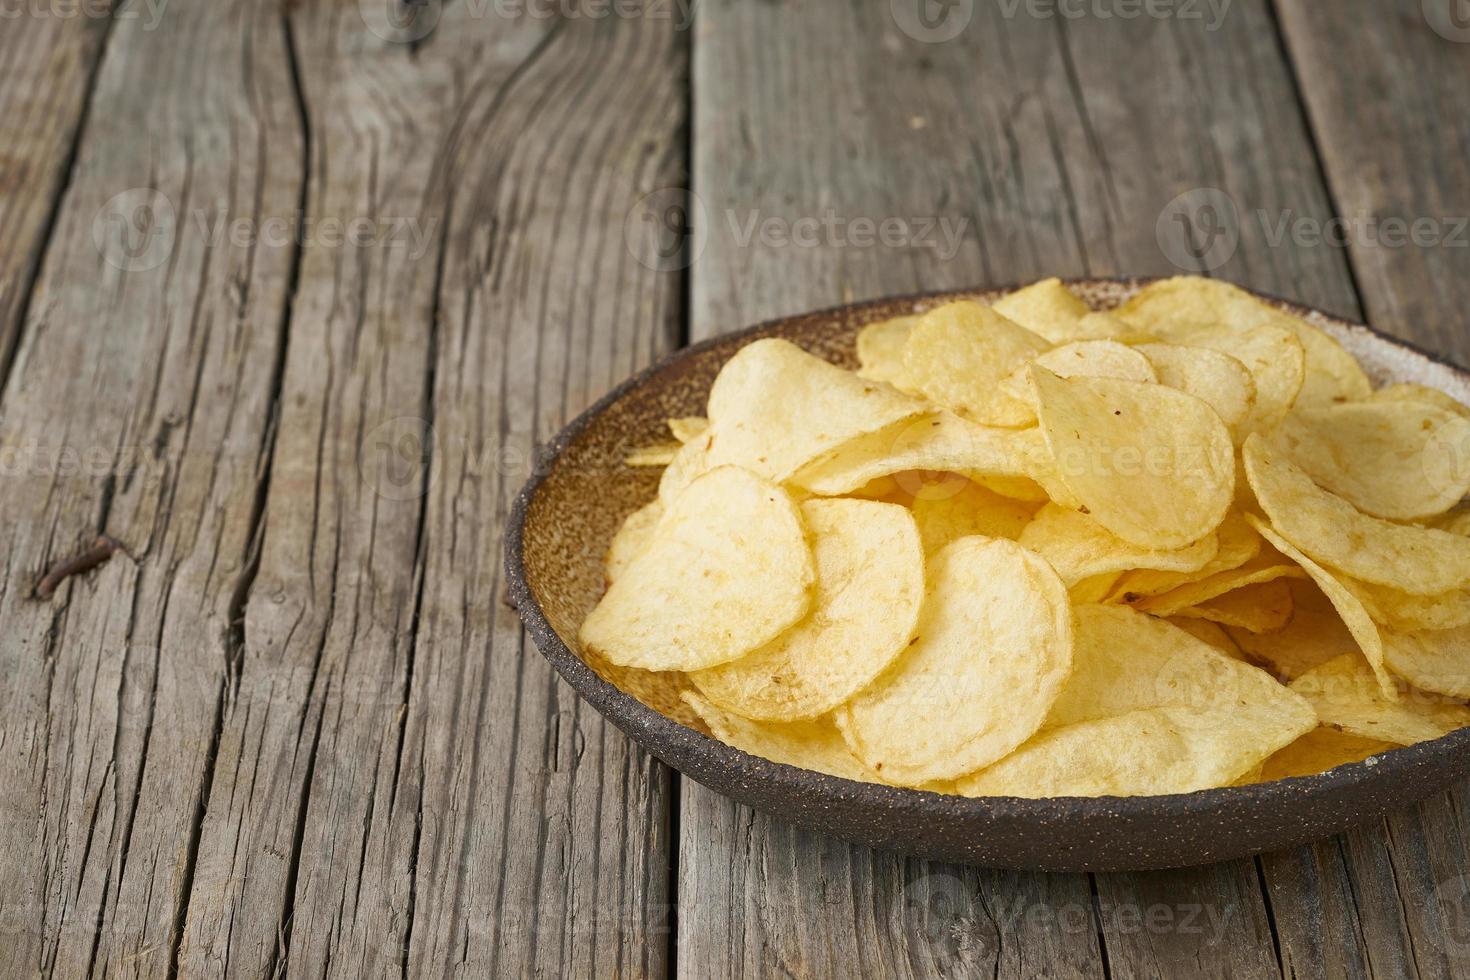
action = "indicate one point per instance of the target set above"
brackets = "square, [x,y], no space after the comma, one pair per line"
[79,564]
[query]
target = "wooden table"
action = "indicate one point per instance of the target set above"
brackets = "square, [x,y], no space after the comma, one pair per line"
[291,292]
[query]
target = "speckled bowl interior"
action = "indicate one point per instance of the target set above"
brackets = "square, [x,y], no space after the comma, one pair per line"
[567,513]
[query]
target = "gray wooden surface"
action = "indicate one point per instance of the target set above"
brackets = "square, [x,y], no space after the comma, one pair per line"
[291,293]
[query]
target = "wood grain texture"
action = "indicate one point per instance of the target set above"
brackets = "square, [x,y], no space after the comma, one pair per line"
[1041,133]
[401,785]
[140,406]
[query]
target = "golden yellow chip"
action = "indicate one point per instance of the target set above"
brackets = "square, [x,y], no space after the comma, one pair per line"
[1046,308]
[691,461]
[870,582]
[632,538]
[993,650]
[1083,359]
[1420,393]
[1262,608]
[1346,695]
[1207,632]
[1332,374]
[1079,548]
[1273,356]
[1352,611]
[1456,522]
[814,745]
[944,516]
[1219,380]
[1154,466]
[658,455]
[1266,567]
[1402,461]
[727,570]
[1149,752]
[1409,613]
[1315,635]
[774,407]
[1319,750]
[958,354]
[1432,660]
[1420,560]
[880,349]
[942,442]
[688,427]
[1238,544]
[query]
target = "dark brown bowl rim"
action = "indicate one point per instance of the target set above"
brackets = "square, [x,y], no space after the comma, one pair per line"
[628,712]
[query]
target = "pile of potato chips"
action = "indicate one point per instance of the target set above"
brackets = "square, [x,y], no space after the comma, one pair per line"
[1030,549]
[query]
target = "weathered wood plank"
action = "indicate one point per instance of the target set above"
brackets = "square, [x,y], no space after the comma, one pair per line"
[1388,112]
[401,783]
[1040,132]
[47,66]
[139,405]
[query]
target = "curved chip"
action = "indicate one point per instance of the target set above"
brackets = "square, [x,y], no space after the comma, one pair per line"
[1402,461]
[1354,614]
[1046,308]
[1079,548]
[687,427]
[1315,635]
[1263,568]
[727,570]
[774,408]
[1432,660]
[1273,356]
[1409,392]
[1346,695]
[814,745]
[948,516]
[1409,613]
[1420,560]
[1083,359]
[632,538]
[942,442]
[1238,544]
[994,647]
[1149,752]
[1219,380]
[1331,375]
[1319,750]
[870,583]
[1261,608]
[880,349]
[1154,466]
[958,354]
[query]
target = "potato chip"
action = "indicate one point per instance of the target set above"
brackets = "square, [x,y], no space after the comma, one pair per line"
[1332,374]
[1420,393]
[994,647]
[1108,326]
[1315,635]
[880,349]
[1319,750]
[1238,543]
[690,462]
[1266,567]
[1456,522]
[814,745]
[942,442]
[1154,466]
[1431,660]
[1079,548]
[1420,560]
[1398,460]
[727,570]
[1083,359]
[870,582]
[1217,379]
[957,356]
[1346,695]
[1095,588]
[1152,751]
[632,538]
[1408,613]
[1207,632]
[1262,608]
[1354,615]
[1273,356]
[1046,308]
[774,408]
[948,516]
[661,454]
[1123,661]
[688,427]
